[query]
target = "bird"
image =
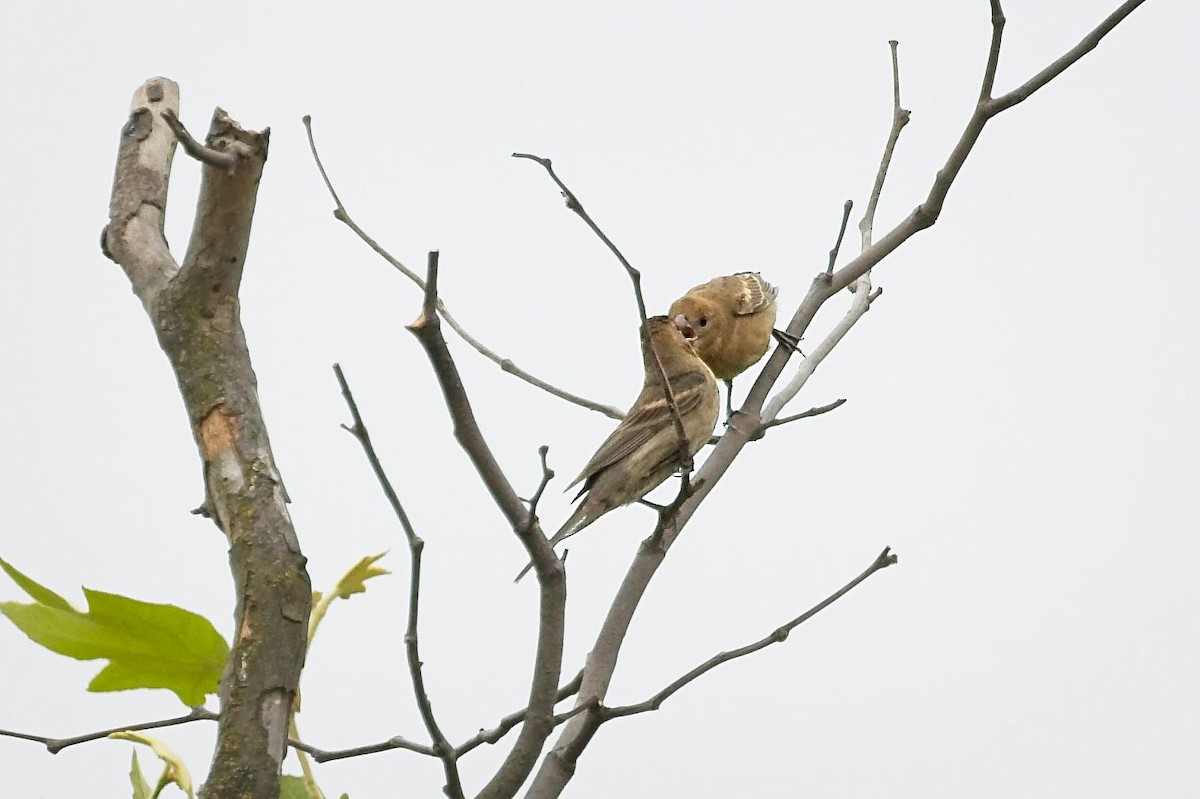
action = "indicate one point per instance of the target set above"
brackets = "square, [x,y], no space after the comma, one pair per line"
[643,450]
[733,317]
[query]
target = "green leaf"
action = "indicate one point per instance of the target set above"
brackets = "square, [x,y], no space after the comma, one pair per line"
[38,592]
[147,645]
[174,769]
[293,787]
[354,581]
[141,788]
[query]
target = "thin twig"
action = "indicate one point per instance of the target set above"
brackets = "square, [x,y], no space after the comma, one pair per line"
[847,207]
[539,722]
[861,287]
[635,277]
[363,436]
[506,365]
[513,719]
[993,62]
[817,411]
[221,159]
[547,476]
[900,118]
[567,715]
[780,634]
[573,203]
[416,545]
[324,755]
[56,745]
[441,745]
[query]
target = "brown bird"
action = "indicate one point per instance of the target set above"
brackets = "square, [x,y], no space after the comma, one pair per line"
[733,318]
[644,449]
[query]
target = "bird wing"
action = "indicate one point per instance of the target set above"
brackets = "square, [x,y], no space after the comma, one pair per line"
[644,421]
[751,293]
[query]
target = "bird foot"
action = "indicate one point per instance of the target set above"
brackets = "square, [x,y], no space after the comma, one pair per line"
[786,339]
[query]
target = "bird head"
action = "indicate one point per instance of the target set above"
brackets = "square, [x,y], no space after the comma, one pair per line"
[695,317]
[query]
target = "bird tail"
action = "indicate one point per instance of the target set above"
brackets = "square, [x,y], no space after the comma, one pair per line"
[572,526]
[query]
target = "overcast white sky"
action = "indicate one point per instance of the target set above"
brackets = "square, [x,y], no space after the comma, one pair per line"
[1021,421]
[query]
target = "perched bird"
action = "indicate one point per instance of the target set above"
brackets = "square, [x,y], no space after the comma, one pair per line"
[644,449]
[733,318]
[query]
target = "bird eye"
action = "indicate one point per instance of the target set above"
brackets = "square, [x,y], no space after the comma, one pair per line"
[703,321]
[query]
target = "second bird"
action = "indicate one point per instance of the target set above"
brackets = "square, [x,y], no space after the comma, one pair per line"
[734,317]
[644,449]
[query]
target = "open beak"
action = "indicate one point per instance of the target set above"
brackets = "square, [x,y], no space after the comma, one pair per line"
[685,327]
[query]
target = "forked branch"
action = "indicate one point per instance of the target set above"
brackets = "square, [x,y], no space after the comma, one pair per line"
[539,720]
[194,309]
[56,745]
[559,764]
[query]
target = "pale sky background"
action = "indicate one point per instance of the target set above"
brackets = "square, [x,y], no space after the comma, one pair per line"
[1020,427]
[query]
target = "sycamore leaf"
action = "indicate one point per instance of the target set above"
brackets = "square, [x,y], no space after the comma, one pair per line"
[141,788]
[38,592]
[292,786]
[354,580]
[174,769]
[147,645]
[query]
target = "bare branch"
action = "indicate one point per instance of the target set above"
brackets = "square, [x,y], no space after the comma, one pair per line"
[427,329]
[559,718]
[559,764]
[860,303]
[399,742]
[547,476]
[993,62]
[56,745]
[1085,46]
[506,365]
[573,203]
[861,287]
[900,117]
[635,277]
[513,719]
[324,755]
[416,545]
[539,720]
[134,236]
[817,411]
[847,207]
[441,746]
[226,160]
[780,634]
[762,429]
[195,311]
[363,436]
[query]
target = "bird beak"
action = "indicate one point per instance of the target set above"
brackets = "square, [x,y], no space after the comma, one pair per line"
[685,327]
